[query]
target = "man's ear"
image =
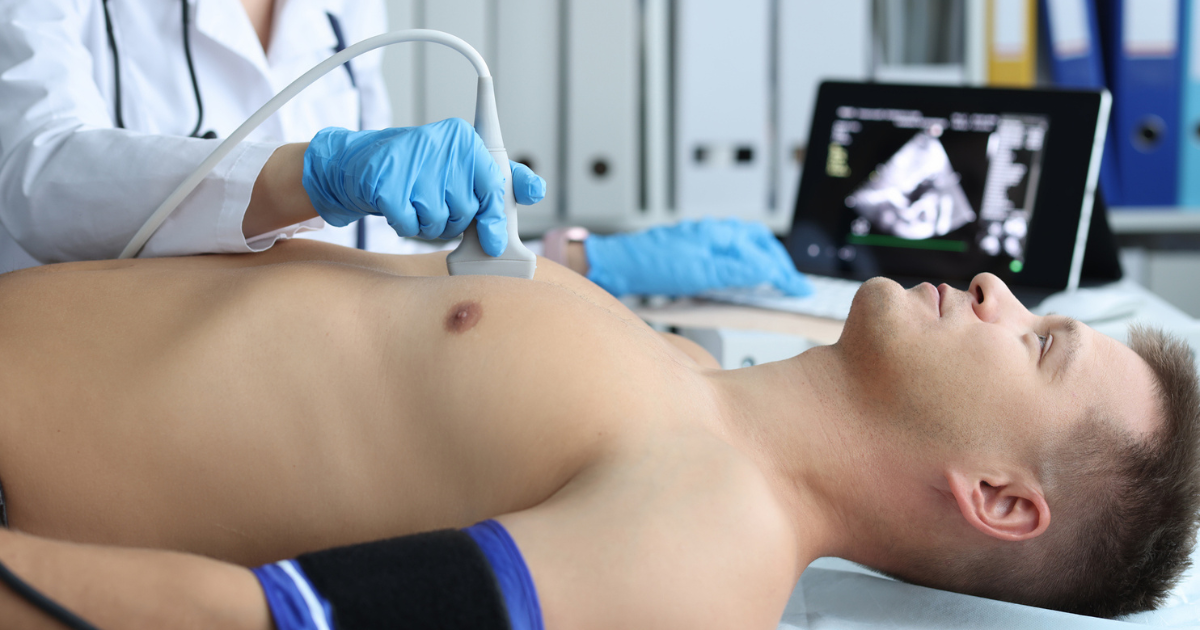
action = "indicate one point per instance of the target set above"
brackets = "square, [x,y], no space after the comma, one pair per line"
[1000,506]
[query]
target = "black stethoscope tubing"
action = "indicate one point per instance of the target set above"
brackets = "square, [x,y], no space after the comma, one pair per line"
[187,53]
[361,237]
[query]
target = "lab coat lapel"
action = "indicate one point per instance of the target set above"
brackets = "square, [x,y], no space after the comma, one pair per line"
[300,27]
[226,23]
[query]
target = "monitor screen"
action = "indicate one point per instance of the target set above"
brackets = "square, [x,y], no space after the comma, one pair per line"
[945,188]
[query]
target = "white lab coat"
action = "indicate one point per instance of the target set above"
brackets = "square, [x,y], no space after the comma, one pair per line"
[74,187]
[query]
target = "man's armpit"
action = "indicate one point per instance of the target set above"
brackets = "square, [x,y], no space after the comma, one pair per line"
[694,350]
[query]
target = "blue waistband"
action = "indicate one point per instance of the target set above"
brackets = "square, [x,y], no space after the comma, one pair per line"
[293,602]
[516,584]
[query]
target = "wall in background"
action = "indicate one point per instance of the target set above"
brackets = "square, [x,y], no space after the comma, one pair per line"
[639,112]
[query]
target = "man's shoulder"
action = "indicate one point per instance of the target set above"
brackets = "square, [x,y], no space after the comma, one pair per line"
[682,533]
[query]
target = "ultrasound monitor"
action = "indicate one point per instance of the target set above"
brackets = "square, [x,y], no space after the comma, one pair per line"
[942,183]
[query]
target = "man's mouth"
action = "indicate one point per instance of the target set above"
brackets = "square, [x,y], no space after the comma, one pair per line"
[937,298]
[942,290]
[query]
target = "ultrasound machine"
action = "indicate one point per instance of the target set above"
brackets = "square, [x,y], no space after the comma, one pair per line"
[938,184]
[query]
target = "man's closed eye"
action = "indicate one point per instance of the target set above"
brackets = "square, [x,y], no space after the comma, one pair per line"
[1045,342]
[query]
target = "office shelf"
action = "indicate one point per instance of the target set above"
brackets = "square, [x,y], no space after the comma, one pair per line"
[1158,220]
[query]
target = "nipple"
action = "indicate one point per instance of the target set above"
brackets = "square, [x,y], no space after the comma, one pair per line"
[463,316]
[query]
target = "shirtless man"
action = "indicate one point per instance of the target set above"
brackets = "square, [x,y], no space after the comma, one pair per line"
[248,409]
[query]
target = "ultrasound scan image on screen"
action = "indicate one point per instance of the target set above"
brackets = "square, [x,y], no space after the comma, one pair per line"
[928,191]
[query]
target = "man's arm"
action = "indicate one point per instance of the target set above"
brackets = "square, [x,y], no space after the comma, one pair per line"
[115,587]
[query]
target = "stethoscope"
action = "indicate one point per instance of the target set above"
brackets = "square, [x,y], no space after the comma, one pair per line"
[187,53]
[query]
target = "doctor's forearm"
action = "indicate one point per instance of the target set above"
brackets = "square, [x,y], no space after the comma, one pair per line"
[279,199]
[577,258]
[115,587]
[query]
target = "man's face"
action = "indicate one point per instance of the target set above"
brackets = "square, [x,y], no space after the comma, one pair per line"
[977,369]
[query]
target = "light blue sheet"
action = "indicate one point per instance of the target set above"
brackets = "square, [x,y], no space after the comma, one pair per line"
[837,595]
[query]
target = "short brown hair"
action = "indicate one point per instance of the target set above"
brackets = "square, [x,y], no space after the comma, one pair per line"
[1126,509]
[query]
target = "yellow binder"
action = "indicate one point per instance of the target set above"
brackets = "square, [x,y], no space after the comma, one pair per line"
[1012,42]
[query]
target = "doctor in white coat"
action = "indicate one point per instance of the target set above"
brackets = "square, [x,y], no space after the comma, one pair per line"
[106,105]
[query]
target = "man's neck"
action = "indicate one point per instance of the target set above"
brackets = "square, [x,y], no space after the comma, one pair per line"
[800,422]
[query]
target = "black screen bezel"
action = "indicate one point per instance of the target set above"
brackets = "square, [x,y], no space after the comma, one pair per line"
[1062,189]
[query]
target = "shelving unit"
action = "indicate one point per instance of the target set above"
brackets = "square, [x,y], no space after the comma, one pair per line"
[1160,249]
[1125,220]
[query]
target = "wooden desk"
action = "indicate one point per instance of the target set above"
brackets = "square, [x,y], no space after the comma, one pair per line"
[692,313]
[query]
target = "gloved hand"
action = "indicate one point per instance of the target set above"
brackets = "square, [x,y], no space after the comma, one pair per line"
[692,257]
[429,181]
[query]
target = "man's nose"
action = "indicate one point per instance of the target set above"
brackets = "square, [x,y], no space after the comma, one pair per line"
[991,298]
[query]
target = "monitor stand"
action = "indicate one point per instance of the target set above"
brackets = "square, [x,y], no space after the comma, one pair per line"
[1101,264]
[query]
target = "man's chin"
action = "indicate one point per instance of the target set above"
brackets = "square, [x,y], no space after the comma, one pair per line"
[875,316]
[880,283]
[874,295]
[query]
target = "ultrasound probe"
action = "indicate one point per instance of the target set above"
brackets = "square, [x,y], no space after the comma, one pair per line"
[469,258]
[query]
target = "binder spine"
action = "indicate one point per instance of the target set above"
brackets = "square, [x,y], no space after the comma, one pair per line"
[602,99]
[1012,43]
[1144,67]
[1189,131]
[722,100]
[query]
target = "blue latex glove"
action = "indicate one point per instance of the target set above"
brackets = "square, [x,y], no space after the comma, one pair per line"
[692,257]
[429,181]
